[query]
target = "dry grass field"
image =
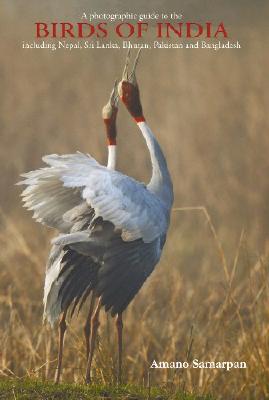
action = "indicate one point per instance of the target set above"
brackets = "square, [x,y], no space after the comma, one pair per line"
[209,297]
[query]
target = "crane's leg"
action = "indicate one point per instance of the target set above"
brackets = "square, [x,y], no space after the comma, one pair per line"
[119,325]
[62,329]
[87,326]
[94,327]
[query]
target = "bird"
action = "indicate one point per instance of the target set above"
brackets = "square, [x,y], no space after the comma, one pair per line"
[111,228]
[109,115]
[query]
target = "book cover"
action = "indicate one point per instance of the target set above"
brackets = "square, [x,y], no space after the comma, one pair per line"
[144,270]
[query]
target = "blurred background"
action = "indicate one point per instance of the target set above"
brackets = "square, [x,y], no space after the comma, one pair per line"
[208,297]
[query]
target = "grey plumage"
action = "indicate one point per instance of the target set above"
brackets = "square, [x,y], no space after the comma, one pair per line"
[111,230]
[116,270]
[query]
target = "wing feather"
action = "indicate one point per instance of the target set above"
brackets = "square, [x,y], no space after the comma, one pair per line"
[53,192]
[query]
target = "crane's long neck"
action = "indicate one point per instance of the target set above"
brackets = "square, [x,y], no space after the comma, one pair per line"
[111,156]
[160,182]
[111,134]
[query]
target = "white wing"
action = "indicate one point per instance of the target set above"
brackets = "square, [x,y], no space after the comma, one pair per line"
[115,197]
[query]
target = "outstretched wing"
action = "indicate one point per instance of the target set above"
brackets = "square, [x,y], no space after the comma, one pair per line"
[48,199]
[71,180]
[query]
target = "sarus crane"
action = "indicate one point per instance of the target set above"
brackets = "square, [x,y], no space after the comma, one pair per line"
[112,228]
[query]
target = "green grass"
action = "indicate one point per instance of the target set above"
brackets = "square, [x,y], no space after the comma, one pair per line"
[15,389]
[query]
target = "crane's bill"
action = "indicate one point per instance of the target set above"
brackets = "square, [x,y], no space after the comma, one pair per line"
[126,65]
[132,74]
[114,97]
[130,77]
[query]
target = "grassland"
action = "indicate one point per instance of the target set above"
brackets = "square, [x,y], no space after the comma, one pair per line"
[208,298]
[36,390]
